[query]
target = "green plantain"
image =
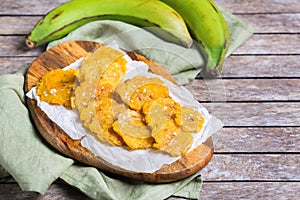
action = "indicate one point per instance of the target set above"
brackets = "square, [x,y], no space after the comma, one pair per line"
[145,13]
[208,27]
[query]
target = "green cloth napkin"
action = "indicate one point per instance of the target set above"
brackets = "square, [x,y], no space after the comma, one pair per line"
[22,153]
[35,165]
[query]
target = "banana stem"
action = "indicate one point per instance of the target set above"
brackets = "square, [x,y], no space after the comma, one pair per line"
[30,44]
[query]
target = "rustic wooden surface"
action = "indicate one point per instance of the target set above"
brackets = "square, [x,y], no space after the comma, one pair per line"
[257,154]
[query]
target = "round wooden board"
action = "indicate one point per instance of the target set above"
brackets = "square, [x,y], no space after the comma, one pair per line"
[66,53]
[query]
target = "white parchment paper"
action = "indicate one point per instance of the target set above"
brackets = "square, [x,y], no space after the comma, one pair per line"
[147,161]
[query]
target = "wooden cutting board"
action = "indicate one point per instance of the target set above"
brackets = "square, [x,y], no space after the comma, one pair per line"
[66,53]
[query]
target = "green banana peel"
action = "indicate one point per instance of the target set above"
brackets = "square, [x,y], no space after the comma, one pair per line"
[208,27]
[75,13]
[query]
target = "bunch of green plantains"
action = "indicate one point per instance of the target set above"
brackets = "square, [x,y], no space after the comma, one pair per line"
[177,21]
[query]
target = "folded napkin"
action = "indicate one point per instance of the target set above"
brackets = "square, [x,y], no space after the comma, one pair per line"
[35,165]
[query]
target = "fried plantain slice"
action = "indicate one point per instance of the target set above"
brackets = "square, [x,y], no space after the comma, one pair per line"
[191,120]
[56,87]
[136,91]
[170,123]
[161,109]
[180,144]
[163,131]
[98,77]
[170,138]
[96,62]
[145,93]
[110,78]
[105,112]
[131,127]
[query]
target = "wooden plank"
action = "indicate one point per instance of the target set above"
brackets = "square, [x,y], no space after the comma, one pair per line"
[257,139]
[257,114]
[273,23]
[246,89]
[252,167]
[17,25]
[56,191]
[261,66]
[210,190]
[250,190]
[260,6]
[15,46]
[12,65]
[35,7]
[265,44]
[263,23]
[28,7]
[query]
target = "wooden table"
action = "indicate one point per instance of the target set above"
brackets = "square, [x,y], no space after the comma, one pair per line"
[257,153]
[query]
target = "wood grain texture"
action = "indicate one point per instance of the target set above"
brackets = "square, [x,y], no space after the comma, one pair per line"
[14,45]
[253,167]
[271,23]
[265,44]
[261,66]
[28,7]
[260,6]
[246,89]
[258,140]
[66,53]
[57,191]
[250,190]
[257,114]
[9,65]
[17,24]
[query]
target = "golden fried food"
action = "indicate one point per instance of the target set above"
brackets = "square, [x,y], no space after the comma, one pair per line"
[138,90]
[105,111]
[138,113]
[110,78]
[170,138]
[56,86]
[161,109]
[191,120]
[172,125]
[145,93]
[179,144]
[131,127]
[163,131]
[98,76]
[132,123]
[96,62]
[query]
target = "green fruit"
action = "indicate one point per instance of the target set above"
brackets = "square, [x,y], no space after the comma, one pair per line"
[207,26]
[73,14]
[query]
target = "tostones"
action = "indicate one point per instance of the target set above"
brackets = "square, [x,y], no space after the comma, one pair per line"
[138,90]
[131,127]
[98,76]
[56,87]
